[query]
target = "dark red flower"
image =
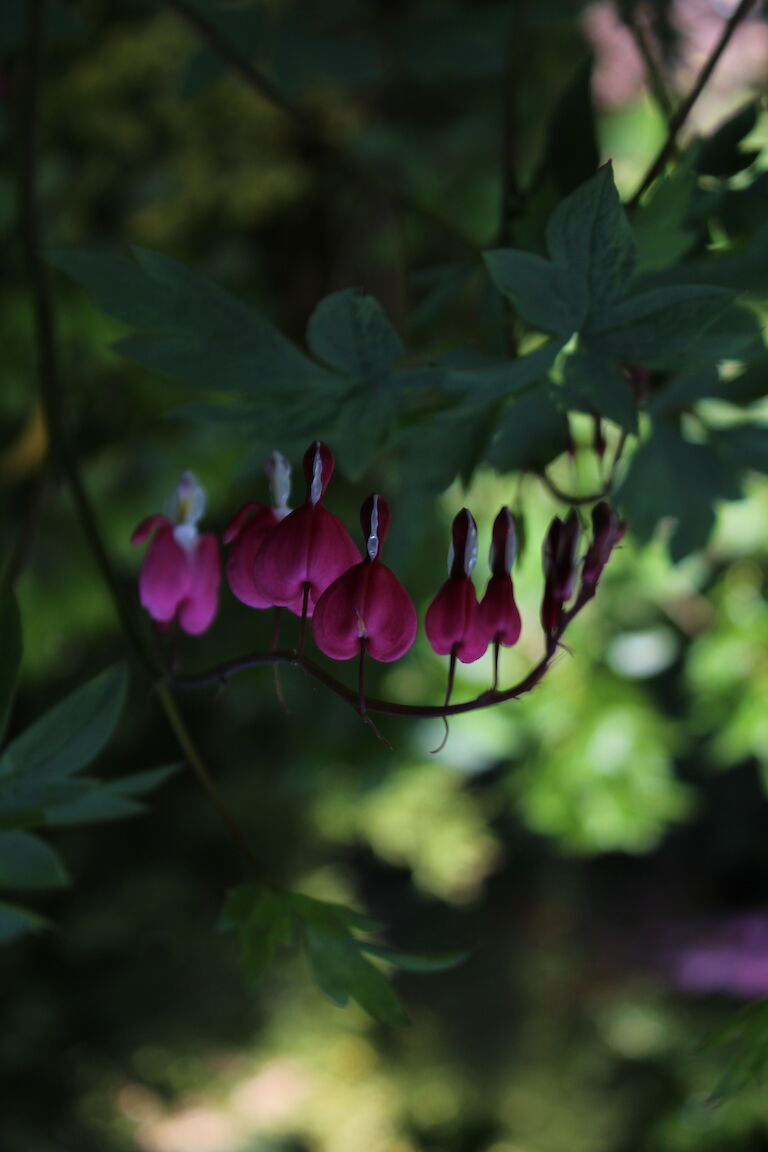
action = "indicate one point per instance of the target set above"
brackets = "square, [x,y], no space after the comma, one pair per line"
[367,602]
[561,568]
[310,548]
[181,570]
[498,615]
[248,530]
[607,530]
[451,622]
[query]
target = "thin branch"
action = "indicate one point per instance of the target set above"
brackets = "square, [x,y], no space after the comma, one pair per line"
[20,551]
[51,391]
[591,497]
[679,118]
[639,32]
[310,130]
[188,747]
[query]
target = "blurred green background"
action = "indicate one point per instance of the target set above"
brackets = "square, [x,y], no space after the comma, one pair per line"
[582,842]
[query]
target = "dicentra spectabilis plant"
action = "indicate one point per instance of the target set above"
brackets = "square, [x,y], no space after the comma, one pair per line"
[584,313]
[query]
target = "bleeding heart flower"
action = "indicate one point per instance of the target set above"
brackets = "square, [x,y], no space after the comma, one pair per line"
[367,603]
[561,569]
[451,622]
[248,530]
[310,548]
[181,570]
[607,530]
[498,615]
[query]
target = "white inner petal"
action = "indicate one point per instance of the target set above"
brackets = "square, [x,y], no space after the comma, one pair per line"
[373,539]
[470,548]
[280,482]
[186,536]
[190,500]
[316,489]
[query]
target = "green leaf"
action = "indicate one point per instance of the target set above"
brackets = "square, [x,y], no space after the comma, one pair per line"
[263,921]
[330,918]
[10,656]
[26,861]
[669,476]
[350,331]
[343,975]
[592,254]
[71,734]
[24,803]
[742,1045]
[499,381]
[449,443]
[591,383]
[752,385]
[111,800]
[195,331]
[363,421]
[589,234]
[545,295]
[409,962]
[16,921]
[720,154]
[661,225]
[745,446]
[681,391]
[532,433]
[657,326]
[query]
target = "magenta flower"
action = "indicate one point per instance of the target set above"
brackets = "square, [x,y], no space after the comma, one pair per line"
[451,622]
[307,550]
[367,603]
[607,531]
[561,569]
[248,530]
[498,614]
[181,570]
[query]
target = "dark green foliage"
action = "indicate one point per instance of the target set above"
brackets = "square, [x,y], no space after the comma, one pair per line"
[592,383]
[720,154]
[266,920]
[39,787]
[742,1044]
[671,477]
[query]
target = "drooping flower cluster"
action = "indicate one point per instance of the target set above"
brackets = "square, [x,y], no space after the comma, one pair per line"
[306,561]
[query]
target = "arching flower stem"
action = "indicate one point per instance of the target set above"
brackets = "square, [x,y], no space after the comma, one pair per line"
[220,675]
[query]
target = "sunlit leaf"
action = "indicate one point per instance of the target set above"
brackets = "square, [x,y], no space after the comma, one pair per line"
[344,975]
